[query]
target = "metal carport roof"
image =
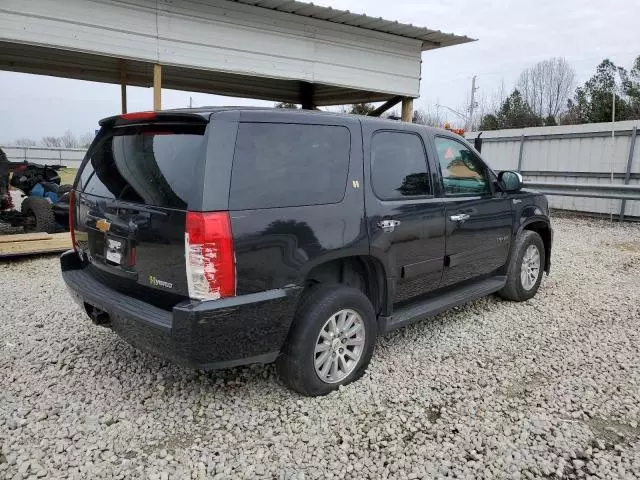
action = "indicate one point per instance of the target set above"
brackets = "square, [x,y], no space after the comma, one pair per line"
[430,38]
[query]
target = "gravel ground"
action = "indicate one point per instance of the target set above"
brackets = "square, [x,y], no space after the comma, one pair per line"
[545,389]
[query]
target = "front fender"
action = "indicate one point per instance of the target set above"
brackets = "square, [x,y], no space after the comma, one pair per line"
[532,218]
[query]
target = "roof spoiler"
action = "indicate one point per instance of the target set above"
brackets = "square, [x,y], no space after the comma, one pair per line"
[152,117]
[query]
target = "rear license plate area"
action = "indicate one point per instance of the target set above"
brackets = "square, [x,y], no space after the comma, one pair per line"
[114,249]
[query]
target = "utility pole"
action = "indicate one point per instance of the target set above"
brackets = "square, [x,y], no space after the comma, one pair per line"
[472,105]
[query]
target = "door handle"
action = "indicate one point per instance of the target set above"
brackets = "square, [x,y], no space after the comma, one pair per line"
[460,217]
[388,225]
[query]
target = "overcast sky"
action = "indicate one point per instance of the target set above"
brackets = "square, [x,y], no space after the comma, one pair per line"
[512,35]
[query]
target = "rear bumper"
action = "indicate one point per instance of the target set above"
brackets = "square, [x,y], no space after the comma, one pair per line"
[203,335]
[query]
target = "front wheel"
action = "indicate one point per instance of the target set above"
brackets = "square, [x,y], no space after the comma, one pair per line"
[526,266]
[331,341]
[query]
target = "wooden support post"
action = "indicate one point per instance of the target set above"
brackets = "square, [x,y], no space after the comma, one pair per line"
[123,86]
[407,109]
[306,96]
[157,87]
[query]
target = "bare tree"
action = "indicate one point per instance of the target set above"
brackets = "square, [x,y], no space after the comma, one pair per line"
[85,140]
[427,117]
[51,142]
[69,140]
[24,142]
[547,86]
[484,107]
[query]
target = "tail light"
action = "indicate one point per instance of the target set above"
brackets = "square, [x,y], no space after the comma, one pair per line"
[132,256]
[72,212]
[210,259]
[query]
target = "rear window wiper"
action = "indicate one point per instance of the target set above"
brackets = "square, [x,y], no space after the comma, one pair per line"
[135,206]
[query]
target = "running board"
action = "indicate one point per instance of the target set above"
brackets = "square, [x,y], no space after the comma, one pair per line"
[432,306]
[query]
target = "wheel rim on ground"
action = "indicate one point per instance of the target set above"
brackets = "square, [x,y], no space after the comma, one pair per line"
[530,268]
[339,346]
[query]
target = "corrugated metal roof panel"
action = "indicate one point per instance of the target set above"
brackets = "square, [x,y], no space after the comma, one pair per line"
[431,38]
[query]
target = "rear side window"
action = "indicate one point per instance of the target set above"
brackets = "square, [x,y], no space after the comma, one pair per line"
[286,165]
[154,165]
[398,166]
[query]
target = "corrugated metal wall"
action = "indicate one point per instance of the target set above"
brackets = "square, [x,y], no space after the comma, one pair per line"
[569,153]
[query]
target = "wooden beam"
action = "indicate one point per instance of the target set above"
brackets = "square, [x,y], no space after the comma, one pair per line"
[157,87]
[34,243]
[306,96]
[123,86]
[407,109]
[385,106]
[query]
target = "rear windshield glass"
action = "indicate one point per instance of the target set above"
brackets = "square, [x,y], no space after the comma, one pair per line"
[154,165]
[286,165]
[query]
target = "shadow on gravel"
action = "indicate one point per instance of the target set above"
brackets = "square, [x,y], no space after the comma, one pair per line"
[430,328]
[612,432]
[18,260]
[140,366]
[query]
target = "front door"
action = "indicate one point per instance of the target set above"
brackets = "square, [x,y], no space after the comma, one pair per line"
[405,221]
[478,222]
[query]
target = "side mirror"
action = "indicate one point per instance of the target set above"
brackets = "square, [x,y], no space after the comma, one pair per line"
[510,181]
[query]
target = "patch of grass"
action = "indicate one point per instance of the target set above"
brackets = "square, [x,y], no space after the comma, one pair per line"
[67,175]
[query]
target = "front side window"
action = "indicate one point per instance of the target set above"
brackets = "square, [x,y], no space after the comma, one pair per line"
[462,172]
[287,165]
[398,166]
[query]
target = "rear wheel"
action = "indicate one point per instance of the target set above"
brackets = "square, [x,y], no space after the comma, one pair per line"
[526,266]
[331,341]
[39,213]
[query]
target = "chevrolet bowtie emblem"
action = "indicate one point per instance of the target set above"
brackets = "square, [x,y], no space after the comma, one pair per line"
[103,225]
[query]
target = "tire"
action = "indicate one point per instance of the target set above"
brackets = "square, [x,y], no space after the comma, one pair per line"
[518,289]
[322,303]
[41,213]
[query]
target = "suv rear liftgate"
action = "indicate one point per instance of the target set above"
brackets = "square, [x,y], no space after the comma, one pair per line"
[144,253]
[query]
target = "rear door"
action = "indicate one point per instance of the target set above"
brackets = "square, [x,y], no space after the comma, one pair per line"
[132,193]
[478,220]
[405,221]
[293,199]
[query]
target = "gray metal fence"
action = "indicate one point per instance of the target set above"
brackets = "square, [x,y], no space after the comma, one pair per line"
[571,154]
[69,157]
[546,156]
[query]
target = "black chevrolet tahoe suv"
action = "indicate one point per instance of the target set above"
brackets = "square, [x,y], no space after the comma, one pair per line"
[225,236]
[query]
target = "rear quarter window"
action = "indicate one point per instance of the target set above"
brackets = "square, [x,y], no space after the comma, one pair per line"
[398,166]
[286,165]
